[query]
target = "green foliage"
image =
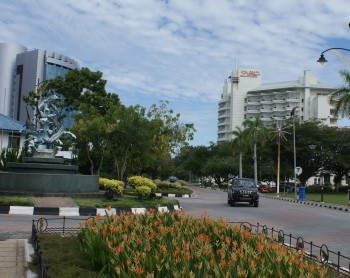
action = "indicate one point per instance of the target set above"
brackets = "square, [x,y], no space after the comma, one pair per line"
[115,186]
[137,181]
[178,245]
[143,191]
[168,184]
[8,155]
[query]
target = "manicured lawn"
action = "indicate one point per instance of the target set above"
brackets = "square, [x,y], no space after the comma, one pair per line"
[7,200]
[331,198]
[125,202]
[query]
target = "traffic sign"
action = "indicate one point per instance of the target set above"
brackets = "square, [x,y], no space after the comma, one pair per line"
[298,170]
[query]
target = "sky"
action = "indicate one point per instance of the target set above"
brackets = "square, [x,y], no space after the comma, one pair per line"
[183,50]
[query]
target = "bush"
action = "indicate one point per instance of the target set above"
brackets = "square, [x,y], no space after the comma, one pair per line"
[168,184]
[143,191]
[137,181]
[115,186]
[178,245]
[223,185]
[182,182]
[327,188]
[343,189]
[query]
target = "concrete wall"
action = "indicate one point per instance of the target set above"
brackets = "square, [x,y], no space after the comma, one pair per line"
[48,183]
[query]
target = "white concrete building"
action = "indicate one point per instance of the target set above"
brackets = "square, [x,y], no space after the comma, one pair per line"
[244,97]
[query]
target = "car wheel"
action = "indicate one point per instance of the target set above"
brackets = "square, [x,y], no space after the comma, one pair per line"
[232,203]
[256,204]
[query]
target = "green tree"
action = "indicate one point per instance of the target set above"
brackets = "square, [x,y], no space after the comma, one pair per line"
[341,97]
[256,133]
[239,144]
[170,135]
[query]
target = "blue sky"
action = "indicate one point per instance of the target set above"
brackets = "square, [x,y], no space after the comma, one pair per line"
[182,50]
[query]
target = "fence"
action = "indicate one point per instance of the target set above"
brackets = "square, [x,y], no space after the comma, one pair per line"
[70,226]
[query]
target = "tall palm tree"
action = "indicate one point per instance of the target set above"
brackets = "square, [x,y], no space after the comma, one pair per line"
[239,143]
[256,133]
[341,97]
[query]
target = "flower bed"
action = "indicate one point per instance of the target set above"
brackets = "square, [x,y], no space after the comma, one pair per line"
[178,245]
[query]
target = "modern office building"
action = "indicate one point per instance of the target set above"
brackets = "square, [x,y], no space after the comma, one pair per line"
[8,55]
[22,70]
[244,97]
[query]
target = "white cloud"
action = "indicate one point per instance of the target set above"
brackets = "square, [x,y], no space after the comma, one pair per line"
[182,50]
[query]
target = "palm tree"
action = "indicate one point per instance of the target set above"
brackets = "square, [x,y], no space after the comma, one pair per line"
[341,97]
[279,133]
[256,132]
[239,143]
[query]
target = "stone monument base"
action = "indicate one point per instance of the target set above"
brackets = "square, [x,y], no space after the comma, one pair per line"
[46,175]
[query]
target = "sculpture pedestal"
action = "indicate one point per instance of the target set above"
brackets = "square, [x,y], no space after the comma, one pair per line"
[46,175]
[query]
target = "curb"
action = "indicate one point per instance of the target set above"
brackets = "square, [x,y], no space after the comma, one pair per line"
[315,204]
[74,211]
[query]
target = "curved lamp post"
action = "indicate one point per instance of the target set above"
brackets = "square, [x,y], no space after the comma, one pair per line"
[323,60]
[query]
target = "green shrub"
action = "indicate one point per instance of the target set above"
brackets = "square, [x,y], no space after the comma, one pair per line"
[168,184]
[223,185]
[137,181]
[115,186]
[143,191]
[343,189]
[182,182]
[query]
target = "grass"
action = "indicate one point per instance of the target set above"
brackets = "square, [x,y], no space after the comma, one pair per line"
[128,200]
[7,200]
[63,257]
[331,198]
[125,202]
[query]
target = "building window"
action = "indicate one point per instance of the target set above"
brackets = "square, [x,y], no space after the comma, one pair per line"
[14,141]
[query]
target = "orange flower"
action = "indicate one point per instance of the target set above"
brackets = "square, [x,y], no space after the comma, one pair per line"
[151,210]
[187,256]
[177,251]
[260,247]
[109,243]
[109,207]
[311,268]
[139,271]
[152,235]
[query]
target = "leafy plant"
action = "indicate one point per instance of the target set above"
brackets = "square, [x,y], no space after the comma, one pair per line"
[115,186]
[179,245]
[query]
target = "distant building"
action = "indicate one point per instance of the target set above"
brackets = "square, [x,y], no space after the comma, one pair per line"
[21,70]
[11,133]
[244,97]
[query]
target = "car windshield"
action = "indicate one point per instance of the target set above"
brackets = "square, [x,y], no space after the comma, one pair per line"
[243,183]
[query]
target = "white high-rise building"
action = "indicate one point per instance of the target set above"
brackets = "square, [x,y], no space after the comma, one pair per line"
[244,97]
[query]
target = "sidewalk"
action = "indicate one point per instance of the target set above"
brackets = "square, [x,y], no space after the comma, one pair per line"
[12,258]
[345,208]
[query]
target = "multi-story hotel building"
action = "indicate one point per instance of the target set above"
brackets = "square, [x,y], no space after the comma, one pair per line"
[21,70]
[244,97]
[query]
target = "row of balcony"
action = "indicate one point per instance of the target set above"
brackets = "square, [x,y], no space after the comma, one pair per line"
[271,101]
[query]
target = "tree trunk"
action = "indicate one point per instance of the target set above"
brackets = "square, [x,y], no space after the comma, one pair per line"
[255,166]
[90,160]
[240,164]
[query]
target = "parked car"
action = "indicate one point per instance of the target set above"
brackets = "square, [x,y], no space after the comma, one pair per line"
[243,190]
[172,179]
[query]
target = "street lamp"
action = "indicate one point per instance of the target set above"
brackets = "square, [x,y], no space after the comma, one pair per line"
[292,114]
[323,60]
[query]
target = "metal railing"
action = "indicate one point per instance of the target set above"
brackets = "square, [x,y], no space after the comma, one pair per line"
[322,254]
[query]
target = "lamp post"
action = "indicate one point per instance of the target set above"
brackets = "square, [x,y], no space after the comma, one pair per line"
[292,113]
[323,60]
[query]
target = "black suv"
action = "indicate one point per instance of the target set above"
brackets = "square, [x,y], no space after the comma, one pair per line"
[243,190]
